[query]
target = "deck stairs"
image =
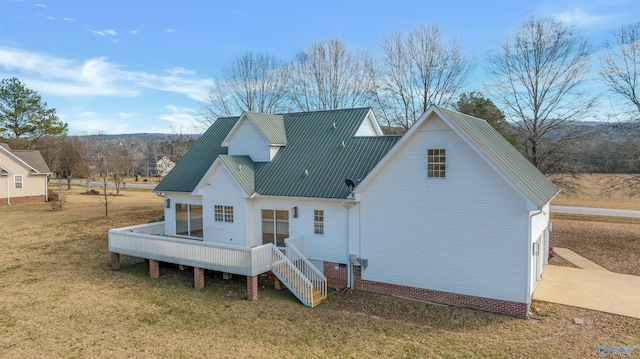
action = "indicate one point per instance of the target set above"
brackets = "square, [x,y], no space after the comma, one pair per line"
[301,277]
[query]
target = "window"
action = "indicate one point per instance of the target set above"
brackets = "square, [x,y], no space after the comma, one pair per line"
[318,221]
[436,163]
[223,213]
[17,182]
[189,220]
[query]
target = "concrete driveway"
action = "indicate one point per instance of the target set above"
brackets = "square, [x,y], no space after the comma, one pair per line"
[591,289]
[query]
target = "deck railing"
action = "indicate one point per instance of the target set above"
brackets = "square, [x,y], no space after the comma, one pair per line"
[294,249]
[148,241]
[291,277]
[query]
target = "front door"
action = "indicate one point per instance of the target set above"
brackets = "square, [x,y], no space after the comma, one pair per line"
[275,226]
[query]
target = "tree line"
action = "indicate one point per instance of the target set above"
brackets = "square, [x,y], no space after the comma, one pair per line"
[535,97]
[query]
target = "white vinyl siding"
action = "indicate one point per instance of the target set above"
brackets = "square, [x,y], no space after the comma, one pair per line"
[170,212]
[249,141]
[222,190]
[464,235]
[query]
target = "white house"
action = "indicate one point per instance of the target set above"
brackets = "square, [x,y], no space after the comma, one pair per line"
[24,176]
[449,213]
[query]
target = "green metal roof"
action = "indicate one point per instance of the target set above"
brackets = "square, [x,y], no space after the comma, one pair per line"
[272,126]
[512,163]
[243,169]
[184,177]
[314,162]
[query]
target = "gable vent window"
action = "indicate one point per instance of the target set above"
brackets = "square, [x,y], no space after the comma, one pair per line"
[436,163]
[18,182]
[318,221]
[223,213]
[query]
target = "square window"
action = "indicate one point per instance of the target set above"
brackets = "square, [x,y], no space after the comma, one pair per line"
[318,221]
[436,164]
[218,213]
[228,213]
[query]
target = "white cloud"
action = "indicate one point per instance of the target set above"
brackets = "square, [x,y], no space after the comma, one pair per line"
[104,32]
[94,77]
[133,32]
[127,114]
[180,71]
[582,19]
[179,117]
[110,32]
[170,31]
[88,122]
[70,19]
[41,5]
[51,18]
[97,32]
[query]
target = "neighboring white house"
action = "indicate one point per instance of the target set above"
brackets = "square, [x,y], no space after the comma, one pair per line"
[24,176]
[449,213]
[163,166]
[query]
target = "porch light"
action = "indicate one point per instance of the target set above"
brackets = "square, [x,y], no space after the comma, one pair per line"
[167,203]
[294,212]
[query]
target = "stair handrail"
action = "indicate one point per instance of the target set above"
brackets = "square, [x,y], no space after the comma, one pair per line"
[294,279]
[304,265]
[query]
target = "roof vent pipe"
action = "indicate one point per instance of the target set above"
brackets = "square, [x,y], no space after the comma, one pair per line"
[239,167]
[334,126]
[306,173]
[343,145]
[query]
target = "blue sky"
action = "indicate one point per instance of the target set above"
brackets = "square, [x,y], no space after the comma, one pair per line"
[144,66]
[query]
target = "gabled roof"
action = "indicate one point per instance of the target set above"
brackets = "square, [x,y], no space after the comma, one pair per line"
[194,164]
[314,162]
[242,168]
[271,126]
[32,159]
[490,145]
[524,175]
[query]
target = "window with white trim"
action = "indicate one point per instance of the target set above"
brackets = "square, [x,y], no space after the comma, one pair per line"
[318,221]
[17,182]
[436,163]
[223,213]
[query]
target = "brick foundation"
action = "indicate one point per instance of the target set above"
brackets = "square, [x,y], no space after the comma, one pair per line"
[115,261]
[154,268]
[514,309]
[252,288]
[198,278]
[335,277]
[19,200]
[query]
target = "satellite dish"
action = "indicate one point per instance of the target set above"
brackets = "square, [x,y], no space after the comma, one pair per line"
[349,184]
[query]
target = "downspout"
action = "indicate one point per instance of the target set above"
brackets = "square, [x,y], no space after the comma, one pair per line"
[350,279]
[529,255]
[8,193]
[46,189]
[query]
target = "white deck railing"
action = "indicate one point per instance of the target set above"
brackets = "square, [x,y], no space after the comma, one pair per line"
[291,277]
[148,241]
[294,250]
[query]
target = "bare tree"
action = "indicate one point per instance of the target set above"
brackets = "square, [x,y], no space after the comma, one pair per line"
[73,159]
[329,76]
[621,63]
[252,82]
[536,78]
[620,66]
[417,70]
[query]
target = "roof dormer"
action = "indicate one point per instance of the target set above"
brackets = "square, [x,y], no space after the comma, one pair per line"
[257,135]
[369,127]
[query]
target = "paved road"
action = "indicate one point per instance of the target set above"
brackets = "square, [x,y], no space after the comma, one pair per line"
[596,211]
[110,185]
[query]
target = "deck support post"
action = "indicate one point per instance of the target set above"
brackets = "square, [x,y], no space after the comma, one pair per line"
[252,288]
[277,284]
[154,268]
[226,276]
[115,261]
[198,278]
